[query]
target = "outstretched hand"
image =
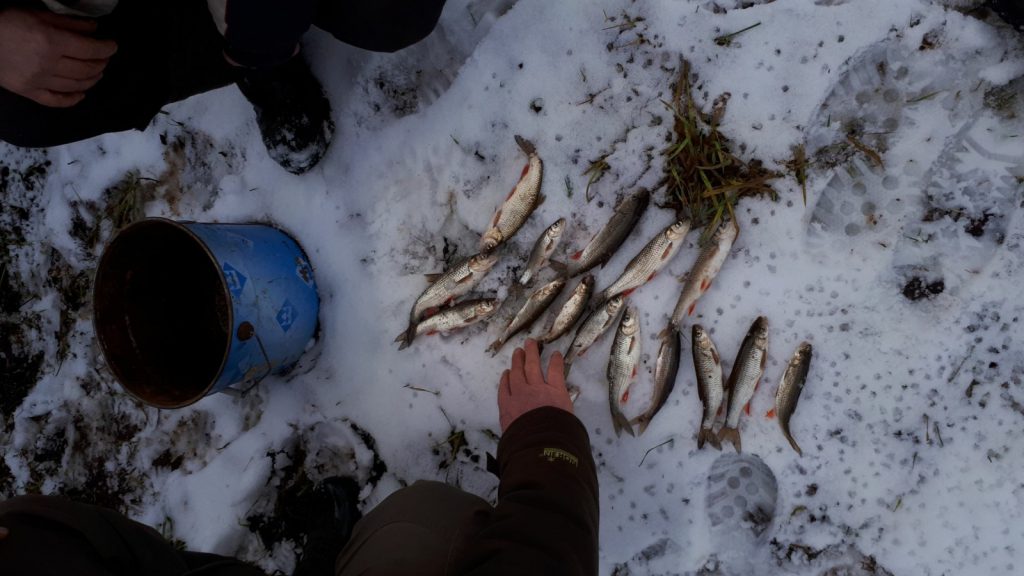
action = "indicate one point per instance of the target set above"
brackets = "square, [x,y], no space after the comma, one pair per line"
[524,388]
[50,58]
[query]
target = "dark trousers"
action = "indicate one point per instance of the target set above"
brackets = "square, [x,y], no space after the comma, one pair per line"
[169,50]
[414,531]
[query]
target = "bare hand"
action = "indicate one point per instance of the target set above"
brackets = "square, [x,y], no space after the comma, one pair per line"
[523,388]
[49,58]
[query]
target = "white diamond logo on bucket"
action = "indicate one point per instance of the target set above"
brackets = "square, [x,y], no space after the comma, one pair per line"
[286,315]
[235,279]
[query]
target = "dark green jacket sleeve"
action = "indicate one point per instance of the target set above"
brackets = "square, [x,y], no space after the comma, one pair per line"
[546,520]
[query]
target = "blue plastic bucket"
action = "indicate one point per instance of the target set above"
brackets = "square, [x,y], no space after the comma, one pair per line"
[185,309]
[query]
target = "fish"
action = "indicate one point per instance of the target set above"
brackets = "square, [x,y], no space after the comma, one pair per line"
[532,309]
[542,250]
[708,264]
[790,386]
[459,316]
[708,366]
[446,287]
[596,324]
[606,243]
[645,265]
[622,367]
[743,379]
[571,311]
[520,203]
[666,367]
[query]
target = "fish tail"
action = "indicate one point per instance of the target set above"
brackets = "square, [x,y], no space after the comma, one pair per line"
[495,346]
[641,421]
[525,145]
[731,435]
[706,435]
[620,422]
[407,336]
[560,267]
[792,442]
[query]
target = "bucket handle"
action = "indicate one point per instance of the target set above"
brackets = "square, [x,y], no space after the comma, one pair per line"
[247,331]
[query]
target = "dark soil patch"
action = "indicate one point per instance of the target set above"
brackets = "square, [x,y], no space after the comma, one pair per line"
[918,288]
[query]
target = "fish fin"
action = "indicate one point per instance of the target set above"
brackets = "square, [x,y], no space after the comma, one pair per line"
[793,443]
[432,311]
[667,252]
[651,277]
[560,267]
[666,332]
[693,308]
[525,145]
[626,293]
[577,255]
[432,333]
[642,422]
[407,337]
[433,276]
[705,284]
[625,395]
[512,192]
[497,216]
[770,413]
[707,435]
[731,435]
[620,423]
[720,409]
[540,200]
[746,408]
[495,347]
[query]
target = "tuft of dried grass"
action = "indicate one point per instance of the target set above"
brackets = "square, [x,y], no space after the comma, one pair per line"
[703,178]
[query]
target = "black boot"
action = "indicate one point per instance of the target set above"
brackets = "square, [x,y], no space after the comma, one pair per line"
[1011,11]
[330,513]
[292,112]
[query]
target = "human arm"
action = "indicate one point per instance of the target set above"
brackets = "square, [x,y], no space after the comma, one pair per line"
[546,520]
[49,58]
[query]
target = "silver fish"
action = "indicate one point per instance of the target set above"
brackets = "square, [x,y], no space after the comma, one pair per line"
[708,366]
[459,316]
[596,324]
[542,250]
[535,305]
[622,367]
[520,203]
[606,242]
[790,387]
[458,280]
[656,254]
[571,311]
[708,264]
[743,379]
[666,367]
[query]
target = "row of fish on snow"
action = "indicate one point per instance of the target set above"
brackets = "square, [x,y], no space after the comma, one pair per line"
[437,310]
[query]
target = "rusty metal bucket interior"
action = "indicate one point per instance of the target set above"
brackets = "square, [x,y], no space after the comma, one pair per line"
[162,313]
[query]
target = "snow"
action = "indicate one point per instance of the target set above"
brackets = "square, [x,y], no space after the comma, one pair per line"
[423,154]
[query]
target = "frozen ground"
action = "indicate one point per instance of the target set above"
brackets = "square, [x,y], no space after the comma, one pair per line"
[904,270]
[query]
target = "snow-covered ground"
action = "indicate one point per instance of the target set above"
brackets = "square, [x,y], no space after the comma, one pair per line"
[903,270]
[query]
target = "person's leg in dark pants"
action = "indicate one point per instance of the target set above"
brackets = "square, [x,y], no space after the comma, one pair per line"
[381,26]
[52,535]
[168,50]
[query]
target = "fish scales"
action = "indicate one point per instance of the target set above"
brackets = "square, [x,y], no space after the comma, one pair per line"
[571,311]
[790,386]
[704,270]
[456,281]
[743,378]
[666,368]
[651,258]
[542,250]
[459,316]
[520,203]
[596,324]
[622,367]
[708,366]
[532,309]
[607,241]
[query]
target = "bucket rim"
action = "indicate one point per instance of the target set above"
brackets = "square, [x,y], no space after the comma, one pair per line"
[223,287]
